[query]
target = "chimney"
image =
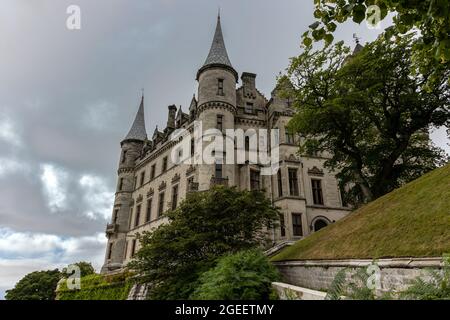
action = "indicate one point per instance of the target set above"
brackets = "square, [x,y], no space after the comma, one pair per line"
[171,116]
[248,80]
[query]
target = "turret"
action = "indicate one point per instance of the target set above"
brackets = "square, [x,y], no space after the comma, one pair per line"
[216,104]
[118,227]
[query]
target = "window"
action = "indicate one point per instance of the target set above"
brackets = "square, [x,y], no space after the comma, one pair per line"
[249,107]
[161,204]
[133,248]
[164,166]
[152,172]
[124,156]
[126,249]
[135,183]
[120,184]
[218,170]
[317,191]
[220,87]
[138,215]
[174,197]
[254,180]
[220,122]
[110,250]
[131,218]
[282,226]
[280,183]
[297,230]
[116,214]
[192,147]
[142,178]
[247,143]
[293,182]
[289,137]
[149,210]
[190,180]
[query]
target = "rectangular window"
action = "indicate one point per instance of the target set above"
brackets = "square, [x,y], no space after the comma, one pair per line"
[219,122]
[297,230]
[161,204]
[280,183]
[148,214]
[317,191]
[110,250]
[247,143]
[116,214]
[120,184]
[133,248]
[218,170]
[142,178]
[192,147]
[131,218]
[138,216]
[293,182]
[254,180]
[282,226]
[174,197]
[152,172]
[124,154]
[220,87]
[164,166]
[249,107]
[289,138]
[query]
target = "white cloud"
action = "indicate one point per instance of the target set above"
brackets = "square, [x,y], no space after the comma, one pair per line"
[10,166]
[9,131]
[97,197]
[24,252]
[54,181]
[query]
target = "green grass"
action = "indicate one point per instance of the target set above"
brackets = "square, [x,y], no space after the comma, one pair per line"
[412,221]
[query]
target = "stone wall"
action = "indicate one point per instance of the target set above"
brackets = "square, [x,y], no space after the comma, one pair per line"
[395,274]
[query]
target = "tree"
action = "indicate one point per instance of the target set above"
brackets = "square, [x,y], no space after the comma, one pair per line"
[430,17]
[370,112]
[204,227]
[246,275]
[86,268]
[38,285]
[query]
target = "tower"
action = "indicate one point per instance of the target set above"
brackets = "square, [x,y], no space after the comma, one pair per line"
[116,231]
[216,106]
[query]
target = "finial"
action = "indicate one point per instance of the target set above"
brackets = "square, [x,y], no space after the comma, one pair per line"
[218,15]
[142,94]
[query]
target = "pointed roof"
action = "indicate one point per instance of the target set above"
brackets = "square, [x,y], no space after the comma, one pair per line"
[218,55]
[137,131]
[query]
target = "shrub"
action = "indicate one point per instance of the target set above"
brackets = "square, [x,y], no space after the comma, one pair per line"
[246,275]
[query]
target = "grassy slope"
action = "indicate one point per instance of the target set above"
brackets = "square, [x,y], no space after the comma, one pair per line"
[412,221]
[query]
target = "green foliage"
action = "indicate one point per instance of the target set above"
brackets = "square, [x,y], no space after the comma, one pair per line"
[430,17]
[205,226]
[98,287]
[355,289]
[38,285]
[86,268]
[370,112]
[246,275]
[435,288]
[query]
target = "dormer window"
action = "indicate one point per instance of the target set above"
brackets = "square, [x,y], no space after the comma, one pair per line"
[220,87]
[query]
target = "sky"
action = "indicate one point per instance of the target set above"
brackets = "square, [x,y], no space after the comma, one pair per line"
[68,97]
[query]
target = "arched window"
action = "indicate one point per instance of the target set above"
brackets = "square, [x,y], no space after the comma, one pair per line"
[319,224]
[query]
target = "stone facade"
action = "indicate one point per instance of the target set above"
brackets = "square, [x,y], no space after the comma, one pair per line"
[149,182]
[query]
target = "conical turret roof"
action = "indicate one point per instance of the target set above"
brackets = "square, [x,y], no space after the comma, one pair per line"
[218,55]
[137,131]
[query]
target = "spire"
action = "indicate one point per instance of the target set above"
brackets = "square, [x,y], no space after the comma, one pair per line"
[137,131]
[217,53]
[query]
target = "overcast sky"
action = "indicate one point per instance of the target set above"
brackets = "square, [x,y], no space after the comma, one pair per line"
[67,98]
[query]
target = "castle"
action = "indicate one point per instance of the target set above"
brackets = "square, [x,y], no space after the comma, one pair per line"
[149,182]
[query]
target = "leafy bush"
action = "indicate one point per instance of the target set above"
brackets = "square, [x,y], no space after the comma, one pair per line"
[436,288]
[98,287]
[246,275]
[204,227]
[86,268]
[37,285]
